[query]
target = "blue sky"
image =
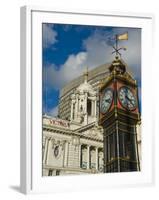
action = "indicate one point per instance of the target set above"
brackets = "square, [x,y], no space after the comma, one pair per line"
[68,49]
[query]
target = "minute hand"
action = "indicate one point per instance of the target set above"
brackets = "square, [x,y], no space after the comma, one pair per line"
[130,100]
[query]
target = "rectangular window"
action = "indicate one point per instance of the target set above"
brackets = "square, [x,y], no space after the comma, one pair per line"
[50,172]
[57,172]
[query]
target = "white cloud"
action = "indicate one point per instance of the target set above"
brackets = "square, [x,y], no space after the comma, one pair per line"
[54,111]
[73,67]
[97,49]
[97,52]
[100,52]
[49,35]
[132,56]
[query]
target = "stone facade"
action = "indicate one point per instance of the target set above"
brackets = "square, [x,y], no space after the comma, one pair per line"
[74,146]
[67,151]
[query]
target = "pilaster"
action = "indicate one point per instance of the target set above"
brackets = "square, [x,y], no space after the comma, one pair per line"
[88,157]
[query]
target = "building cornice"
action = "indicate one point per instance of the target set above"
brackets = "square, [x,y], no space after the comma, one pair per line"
[70,132]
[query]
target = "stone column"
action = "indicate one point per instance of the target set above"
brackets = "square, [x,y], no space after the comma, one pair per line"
[66,154]
[95,108]
[45,147]
[88,157]
[47,151]
[97,164]
[80,153]
[92,108]
[77,103]
[71,111]
[86,113]
[76,106]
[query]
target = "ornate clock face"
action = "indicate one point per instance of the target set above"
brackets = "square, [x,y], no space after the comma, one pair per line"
[127,98]
[106,100]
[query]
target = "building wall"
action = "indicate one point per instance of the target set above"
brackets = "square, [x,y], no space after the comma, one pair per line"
[74,149]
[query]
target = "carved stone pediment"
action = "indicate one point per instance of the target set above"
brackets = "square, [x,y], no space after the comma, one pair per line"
[94,132]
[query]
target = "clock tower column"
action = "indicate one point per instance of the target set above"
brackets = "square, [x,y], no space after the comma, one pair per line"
[119,115]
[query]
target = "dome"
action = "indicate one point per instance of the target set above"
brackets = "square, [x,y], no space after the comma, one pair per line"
[85,87]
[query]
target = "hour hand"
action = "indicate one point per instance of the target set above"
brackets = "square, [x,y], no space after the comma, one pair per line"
[107,100]
[127,98]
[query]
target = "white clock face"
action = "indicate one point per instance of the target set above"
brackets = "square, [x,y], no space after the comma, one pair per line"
[106,100]
[127,98]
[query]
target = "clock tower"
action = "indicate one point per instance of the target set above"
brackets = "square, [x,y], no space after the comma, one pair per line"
[119,115]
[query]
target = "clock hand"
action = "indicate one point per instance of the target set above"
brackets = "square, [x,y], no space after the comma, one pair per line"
[107,100]
[129,100]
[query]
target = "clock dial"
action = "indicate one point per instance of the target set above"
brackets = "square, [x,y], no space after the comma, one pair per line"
[127,98]
[106,100]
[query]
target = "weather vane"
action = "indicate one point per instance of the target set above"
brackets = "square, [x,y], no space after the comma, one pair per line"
[116,48]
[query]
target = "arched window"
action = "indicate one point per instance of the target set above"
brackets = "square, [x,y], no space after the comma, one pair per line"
[73,111]
[50,172]
[57,172]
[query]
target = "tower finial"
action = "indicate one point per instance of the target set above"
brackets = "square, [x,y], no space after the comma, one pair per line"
[86,74]
[117,49]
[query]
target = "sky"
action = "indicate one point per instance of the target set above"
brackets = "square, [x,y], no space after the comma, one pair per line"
[69,49]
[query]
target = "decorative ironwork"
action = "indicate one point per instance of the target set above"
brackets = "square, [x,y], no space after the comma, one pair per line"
[116,48]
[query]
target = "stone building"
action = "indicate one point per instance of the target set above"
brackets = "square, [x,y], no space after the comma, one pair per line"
[74,146]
